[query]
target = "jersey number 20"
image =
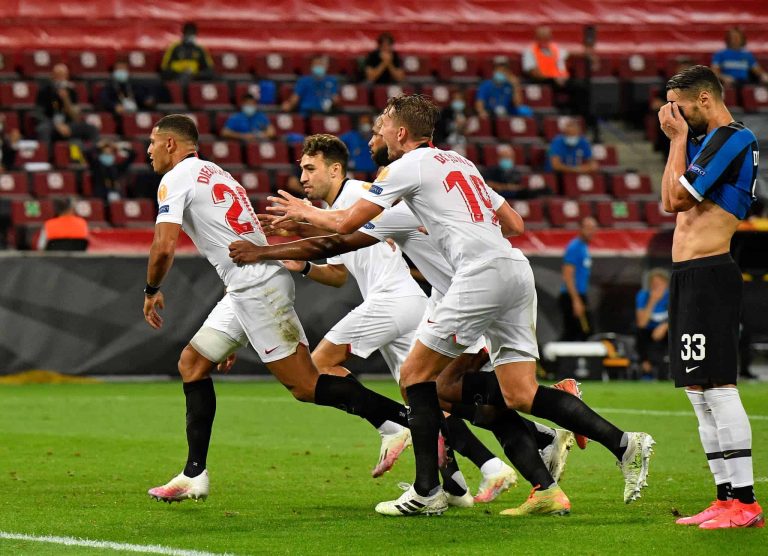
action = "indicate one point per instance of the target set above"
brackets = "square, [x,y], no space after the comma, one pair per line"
[240,203]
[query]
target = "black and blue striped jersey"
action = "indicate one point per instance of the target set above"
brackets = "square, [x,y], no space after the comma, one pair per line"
[723,168]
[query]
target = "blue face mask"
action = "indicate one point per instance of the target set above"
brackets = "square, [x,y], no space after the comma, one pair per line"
[107,159]
[506,163]
[120,75]
[318,71]
[572,141]
[499,76]
[249,110]
[458,105]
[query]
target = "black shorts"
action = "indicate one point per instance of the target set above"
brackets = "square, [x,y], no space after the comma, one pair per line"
[704,311]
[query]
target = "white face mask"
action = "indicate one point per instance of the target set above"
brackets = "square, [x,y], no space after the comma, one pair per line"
[572,141]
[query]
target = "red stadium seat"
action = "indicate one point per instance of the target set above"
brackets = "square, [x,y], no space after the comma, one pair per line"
[532,212]
[139,124]
[337,65]
[268,154]
[92,210]
[540,181]
[202,121]
[353,96]
[103,121]
[417,68]
[619,214]
[553,125]
[31,211]
[68,156]
[9,120]
[537,156]
[254,182]
[335,125]
[458,67]
[537,96]
[30,152]
[655,215]
[467,150]
[440,94]
[487,63]
[132,213]
[8,63]
[382,93]
[577,67]
[14,184]
[517,127]
[491,155]
[89,63]
[275,66]
[207,96]
[19,94]
[175,96]
[142,62]
[232,64]
[606,156]
[755,98]
[637,65]
[583,185]
[223,153]
[54,184]
[567,212]
[288,123]
[40,62]
[479,128]
[252,88]
[630,185]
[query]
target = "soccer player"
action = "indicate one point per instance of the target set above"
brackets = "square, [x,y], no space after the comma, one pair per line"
[491,293]
[257,308]
[709,181]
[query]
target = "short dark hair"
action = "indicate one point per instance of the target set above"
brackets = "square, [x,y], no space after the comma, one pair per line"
[386,37]
[181,125]
[416,113]
[62,205]
[332,148]
[190,27]
[695,79]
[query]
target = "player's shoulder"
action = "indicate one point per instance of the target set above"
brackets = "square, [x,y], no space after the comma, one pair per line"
[735,135]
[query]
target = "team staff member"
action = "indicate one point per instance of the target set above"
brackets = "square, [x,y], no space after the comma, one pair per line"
[66,232]
[709,181]
[576,270]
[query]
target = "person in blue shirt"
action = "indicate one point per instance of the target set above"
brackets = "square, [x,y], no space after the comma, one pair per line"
[249,124]
[735,65]
[356,140]
[501,95]
[571,151]
[315,93]
[576,269]
[652,320]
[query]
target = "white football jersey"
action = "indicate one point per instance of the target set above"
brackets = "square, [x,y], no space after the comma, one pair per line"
[378,269]
[446,192]
[214,210]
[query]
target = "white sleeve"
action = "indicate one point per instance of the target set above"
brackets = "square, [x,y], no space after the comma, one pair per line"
[173,196]
[496,200]
[334,260]
[396,181]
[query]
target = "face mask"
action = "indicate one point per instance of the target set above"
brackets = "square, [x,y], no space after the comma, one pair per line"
[107,159]
[120,75]
[189,39]
[499,76]
[318,71]
[364,128]
[249,109]
[506,163]
[458,105]
[571,141]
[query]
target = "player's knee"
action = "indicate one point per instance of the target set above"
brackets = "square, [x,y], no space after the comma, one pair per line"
[192,366]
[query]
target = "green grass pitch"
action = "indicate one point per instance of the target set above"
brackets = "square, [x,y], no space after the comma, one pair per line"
[291,478]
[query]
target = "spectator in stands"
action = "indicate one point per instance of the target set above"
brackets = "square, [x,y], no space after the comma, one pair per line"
[570,151]
[652,320]
[249,124]
[316,93]
[505,178]
[735,65]
[501,95]
[383,65]
[576,270]
[66,232]
[544,60]
[453,121]
[356,141]
[9,138]
[54,104]
[120,96]
[109,163]
[77,129]
[186,59]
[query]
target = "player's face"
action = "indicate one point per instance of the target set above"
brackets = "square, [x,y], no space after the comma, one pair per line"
[690,109]
[158,152]
[377,146]
[392,135]
[316,176]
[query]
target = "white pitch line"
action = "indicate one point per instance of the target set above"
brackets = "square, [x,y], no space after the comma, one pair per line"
[127,547]
[657,413]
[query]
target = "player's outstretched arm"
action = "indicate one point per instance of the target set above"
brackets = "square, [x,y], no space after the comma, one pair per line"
[310,249]
[343,221]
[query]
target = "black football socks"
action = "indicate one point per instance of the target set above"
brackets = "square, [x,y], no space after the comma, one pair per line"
[354,398]
[424,418]
[201,410]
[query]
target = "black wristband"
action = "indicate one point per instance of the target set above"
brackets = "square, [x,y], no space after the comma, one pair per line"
[307,267]
[151,290]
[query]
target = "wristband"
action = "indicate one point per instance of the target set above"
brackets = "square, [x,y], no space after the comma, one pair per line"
[151,290]
[307,267]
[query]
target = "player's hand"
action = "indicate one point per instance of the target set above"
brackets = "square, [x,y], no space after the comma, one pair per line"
[288,207]
[423,230]
[295,266]
[672,122]
[244,252]
[226,365]
[578,307]
[659,333]
[391,243]
[287,228]
[151,305]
